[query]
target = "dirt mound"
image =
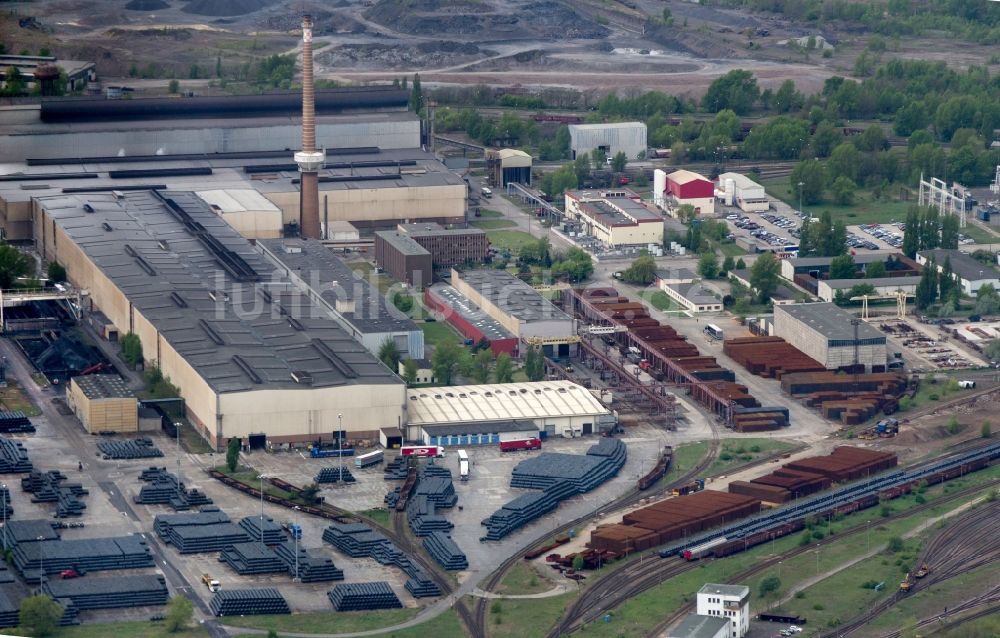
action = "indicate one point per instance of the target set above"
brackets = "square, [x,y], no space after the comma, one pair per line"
[479,18]
[696,44]
[147,5]
[390,56]
[225,7]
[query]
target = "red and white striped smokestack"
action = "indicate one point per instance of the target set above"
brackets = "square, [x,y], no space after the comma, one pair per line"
[309,159]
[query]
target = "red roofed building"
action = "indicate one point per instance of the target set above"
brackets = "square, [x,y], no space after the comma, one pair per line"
[686,187]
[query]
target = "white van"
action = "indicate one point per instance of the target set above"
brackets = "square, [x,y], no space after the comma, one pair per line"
[463,465]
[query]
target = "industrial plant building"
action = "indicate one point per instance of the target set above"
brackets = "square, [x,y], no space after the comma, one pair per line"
[896,264]
[449,246]
[469,320]
[692,296]
[731,602]
[555,408]
[403,258]
[531,318]
[611,138]
[249,213]
[971,273]
[686,188]
[353,302]
[252,357]
[615,217]
[698,626]
[103,403]
[31,67]
[739,190]
[827,289]
[826,333]
[508,165]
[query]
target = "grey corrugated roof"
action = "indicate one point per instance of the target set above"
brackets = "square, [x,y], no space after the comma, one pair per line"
[697,626]
[696,293]
[878,282]
[403,243]
[829,320]
[861,258]
[961,264]
[490,327]
[177,298]
[513,296]
[334,281]
[479,427]
[104,386]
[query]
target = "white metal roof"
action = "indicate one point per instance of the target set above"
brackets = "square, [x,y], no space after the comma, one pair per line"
[500,401]
[238,200]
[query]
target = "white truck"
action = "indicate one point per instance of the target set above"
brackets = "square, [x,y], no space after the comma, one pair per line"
[463,465]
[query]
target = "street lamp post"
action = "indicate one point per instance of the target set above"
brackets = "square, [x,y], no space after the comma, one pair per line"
[868,534]
[6,495]
[295,535]
[41,563]
[340,443]
[262,477]
[801,184]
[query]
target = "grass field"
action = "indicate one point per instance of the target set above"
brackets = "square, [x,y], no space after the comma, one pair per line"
[493,224]
[15,399]
[731,250]
[686,456]
[522,579]
[488,213]
[380,515]
[864,210]
[739,451]
[191,441]
[980,235]
[659,300]
[512,240]
[437,332]
[138,629]
[333,622]
[526,618]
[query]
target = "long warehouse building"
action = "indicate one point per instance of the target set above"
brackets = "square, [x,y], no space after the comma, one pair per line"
[252,357]
[825,332]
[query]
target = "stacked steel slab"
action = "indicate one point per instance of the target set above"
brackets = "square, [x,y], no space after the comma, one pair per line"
[91,554]
[672,519]
[13,457]
[560,476]
[849,398]
[770,357]
[15,423]
[141,448]
[443,549]
[357,540]
[781,485]
[48,487]
[363,596]
[248,602]
[252,558]
[6,509]
[110,592]
[397,469]
[10,606]
[334,474]
[313,568]
[434,489]
[759,419]
[29,531]
[163,488]
[846,463]
[210,515]
[205,531]
[255,527]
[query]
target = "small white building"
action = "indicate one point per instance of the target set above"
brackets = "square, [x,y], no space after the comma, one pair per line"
[972,274]
[727,601]
[741,191]
[425,371]
[694,297]
[611,137]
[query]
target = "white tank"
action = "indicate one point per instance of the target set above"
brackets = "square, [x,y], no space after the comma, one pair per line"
[659,183]
[730,191]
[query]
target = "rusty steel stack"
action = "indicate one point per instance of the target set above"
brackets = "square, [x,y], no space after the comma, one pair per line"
[849,398]
[846,463]
[671,519]
[770,357]
[781,485]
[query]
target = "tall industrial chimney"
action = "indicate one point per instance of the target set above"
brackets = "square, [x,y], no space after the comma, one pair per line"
[309,159]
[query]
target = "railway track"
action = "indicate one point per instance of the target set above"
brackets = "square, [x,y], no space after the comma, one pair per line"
[940,622]
[629,498]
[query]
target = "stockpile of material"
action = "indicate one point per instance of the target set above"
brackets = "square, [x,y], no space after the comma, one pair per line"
[313,568]
[671,519]
[252,558]
[806,382]
[848,398]
[255,527]
[248,602]
[443,549]
[109,592]
[560,476]
[397,469]
[846,463]
[770,357]
[15,423]
[781,485]
[91,554]
[141,448]
[358,540]
[48,487]
[13,457]
[163,488]
[29,531]
[363,596]
[6,509]
[210,515]
[206,531]
[759,419]
[334,474]
[434,489]
[10,606]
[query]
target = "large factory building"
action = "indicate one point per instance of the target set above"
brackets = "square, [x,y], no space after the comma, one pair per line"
[252,356]
[826,333]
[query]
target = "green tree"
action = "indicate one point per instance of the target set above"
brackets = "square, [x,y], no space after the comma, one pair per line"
[598,157]
[987,300]
[642,271]
[843,190]
[131,349]
[926,291]
[740,264]
[764,275]
[708,265]
[534,364]
[445,362]
[619,161]
[56,272]
[180,610]
[843,267]
[896,545]
[930,236]
[233,453]
[13,264]
[736,90]
[482,361]
[875,270]
[825,139]
[389,354]
[416,95]
[272,633]
[503,371]
[410,371]
[769,585]
[728,265]
[581,166]
[992,350]
[949,232]
[986,431]
[39,615]
[562,141]
[173,86]
[844,162]
[403,302]
[575,265]
[787,98]
[578,562]
[218,66]
[812,176]
[911,233]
